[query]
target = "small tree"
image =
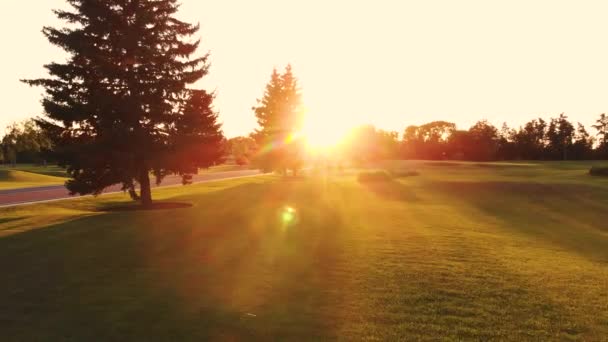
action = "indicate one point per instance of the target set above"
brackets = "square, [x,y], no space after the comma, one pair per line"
[242,149]
[119,108]
[279,114]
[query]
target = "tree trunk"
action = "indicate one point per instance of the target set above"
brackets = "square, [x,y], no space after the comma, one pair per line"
[144,185]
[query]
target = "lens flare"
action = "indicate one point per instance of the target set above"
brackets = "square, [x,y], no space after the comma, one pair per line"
[288,216]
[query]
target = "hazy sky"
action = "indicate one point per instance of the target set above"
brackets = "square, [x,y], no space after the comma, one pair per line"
[388,63]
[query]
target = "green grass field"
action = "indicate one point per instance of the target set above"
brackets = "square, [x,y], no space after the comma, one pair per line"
[29,176]
[464,251]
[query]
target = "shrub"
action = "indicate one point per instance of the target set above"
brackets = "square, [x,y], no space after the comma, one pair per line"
[404,173]
[599,171]
[374,176]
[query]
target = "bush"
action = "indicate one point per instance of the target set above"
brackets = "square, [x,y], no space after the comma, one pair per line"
[599,171]
[404,173]
[374,176]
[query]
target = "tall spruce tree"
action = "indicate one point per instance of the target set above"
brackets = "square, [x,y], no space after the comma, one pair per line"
[601,126]
[279,114]
[119,108]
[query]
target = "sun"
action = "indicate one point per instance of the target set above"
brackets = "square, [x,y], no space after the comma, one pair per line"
[321,135]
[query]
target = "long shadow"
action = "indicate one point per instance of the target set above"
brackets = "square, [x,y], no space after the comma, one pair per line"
[10,219]
[568,215]
[168,275]
[391,190]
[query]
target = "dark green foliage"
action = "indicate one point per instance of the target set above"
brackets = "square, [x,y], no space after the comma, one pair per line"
[119,108]
[599,171]
[24,142]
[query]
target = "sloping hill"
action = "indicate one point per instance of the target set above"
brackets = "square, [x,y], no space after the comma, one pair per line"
[14,179]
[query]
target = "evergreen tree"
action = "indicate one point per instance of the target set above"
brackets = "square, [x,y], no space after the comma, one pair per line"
[560,134]
[582,147]
[279,114]
[601,125]
[119,108]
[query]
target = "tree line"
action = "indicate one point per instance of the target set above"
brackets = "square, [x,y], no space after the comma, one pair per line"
[538,139]
[124,107]
[555,139]
[25,142]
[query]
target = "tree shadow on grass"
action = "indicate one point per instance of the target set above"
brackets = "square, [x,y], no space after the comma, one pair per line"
[11,219]
[224,269]
[158,205]
[567,215]
[391,190]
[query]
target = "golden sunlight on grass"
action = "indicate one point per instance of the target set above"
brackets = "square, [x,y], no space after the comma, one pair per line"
[464,251]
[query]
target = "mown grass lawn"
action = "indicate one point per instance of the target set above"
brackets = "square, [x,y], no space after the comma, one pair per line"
[460,252]
[30,175]
[18,178]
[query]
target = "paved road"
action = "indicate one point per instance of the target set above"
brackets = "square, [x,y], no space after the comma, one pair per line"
[15,197]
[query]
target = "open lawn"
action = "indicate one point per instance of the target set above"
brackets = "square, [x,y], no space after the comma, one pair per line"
[29,175]
[17,179]
[463,251]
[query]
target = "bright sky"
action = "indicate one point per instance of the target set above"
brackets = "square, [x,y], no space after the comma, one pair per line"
[388,63]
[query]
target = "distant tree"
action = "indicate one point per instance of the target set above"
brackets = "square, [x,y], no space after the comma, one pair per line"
[428,141]
[560,135]
[531,140]
[368,144]
[507,149]
[483,140]
[119,108]
[242,149]
[411,142]
[582,147]
[458,145]
[24,142]
[388,142]
[601,125]
[279,113]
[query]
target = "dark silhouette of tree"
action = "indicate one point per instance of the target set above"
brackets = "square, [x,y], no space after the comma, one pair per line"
[507,149]
[531,140]
[601,125]
[428,141]
[560,136]
[279,113]
[536,140]
[119,108]
[483,141]
[582,147]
